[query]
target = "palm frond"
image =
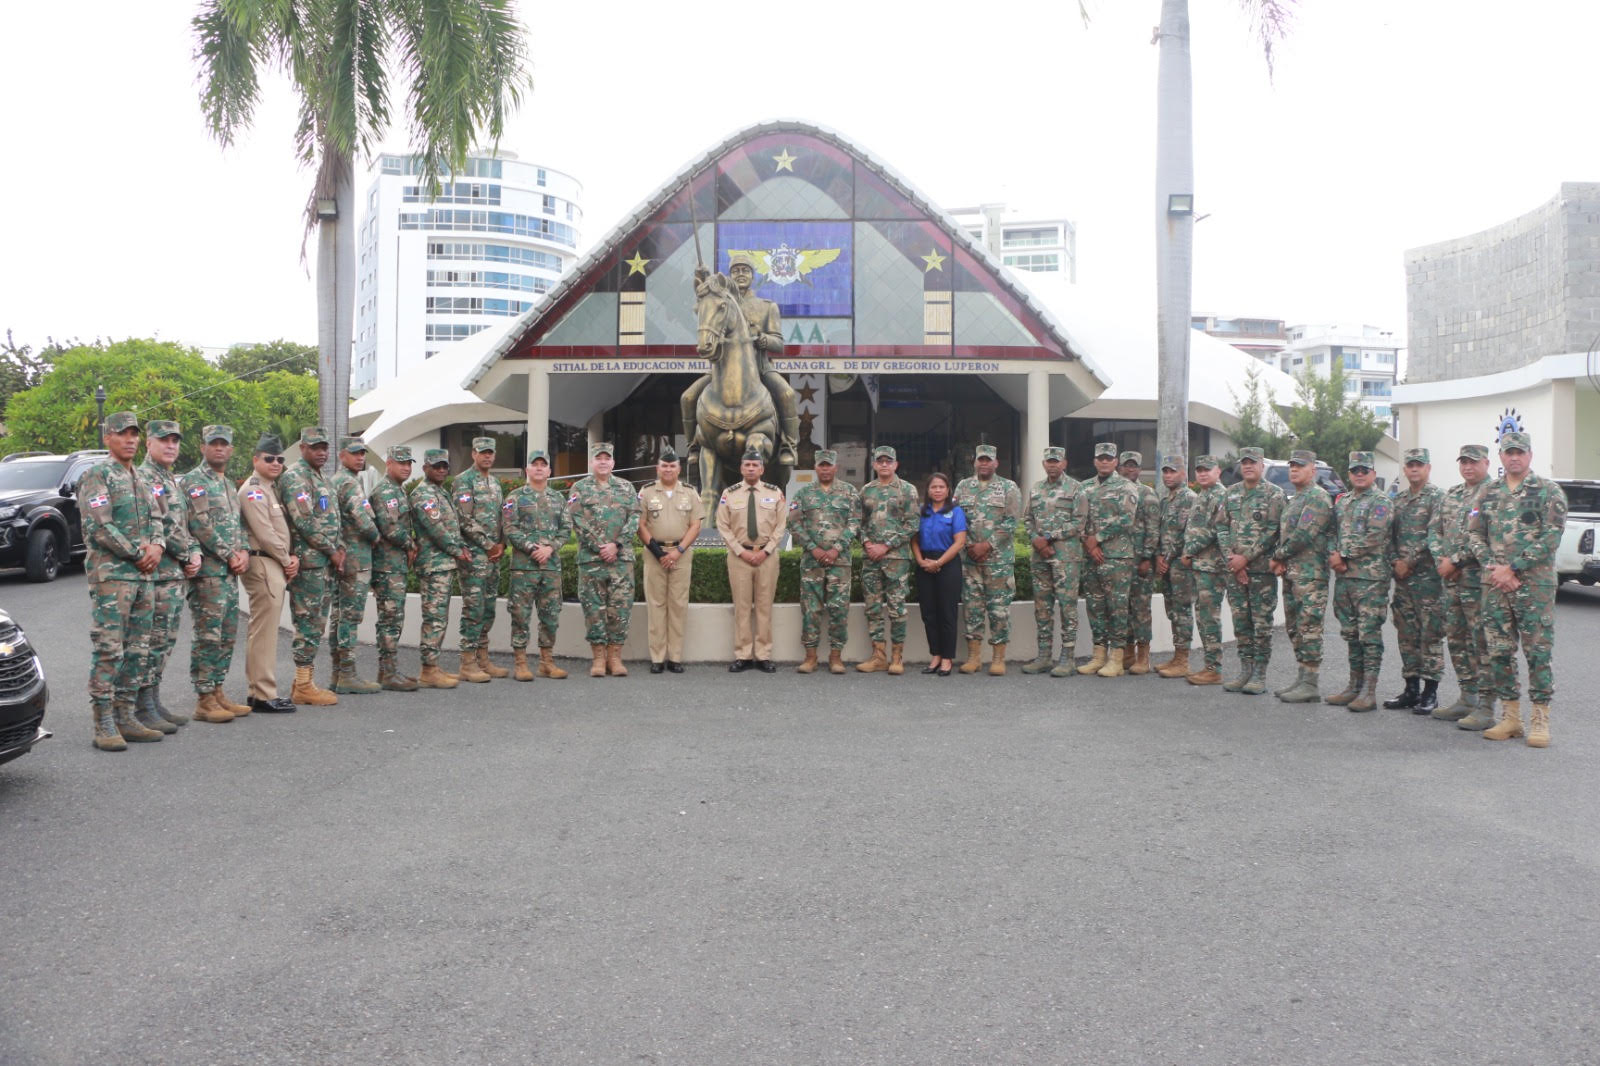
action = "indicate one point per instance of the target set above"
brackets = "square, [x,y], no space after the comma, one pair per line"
[1270,22]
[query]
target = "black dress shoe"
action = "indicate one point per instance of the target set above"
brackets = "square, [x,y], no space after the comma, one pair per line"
[930,669]
[276,705]
[739,666]
[766,667]
[656,668]
[944,671]
[675,666]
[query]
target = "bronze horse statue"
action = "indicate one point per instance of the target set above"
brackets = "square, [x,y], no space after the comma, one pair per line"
[734,412]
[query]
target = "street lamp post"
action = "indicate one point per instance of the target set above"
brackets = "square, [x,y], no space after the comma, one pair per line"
[100,408]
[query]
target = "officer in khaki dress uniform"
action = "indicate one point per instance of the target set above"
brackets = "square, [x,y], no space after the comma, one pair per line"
[266,579]
[669,521]
[752,518]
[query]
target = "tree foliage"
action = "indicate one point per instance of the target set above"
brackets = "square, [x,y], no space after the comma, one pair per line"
[1332,422]
[1258,425]
[22,368]
[253,360]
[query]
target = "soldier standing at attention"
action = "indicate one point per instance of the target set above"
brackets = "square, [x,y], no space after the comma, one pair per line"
[1057,517]
[125,543]
[179,562]
[1247,533]
[315,532]
[889,519]
[824,519]
[1147,545]
[440,553]
[352,580]
[1461,581]
[752,519]
[669,521]
[272,567]
[603,511]
[1418,607]
[1109,543]
[214,525]
[1361,559]
[392,554]
[534,522]
[993,506]
[1200,551]
[1305,535]
[478,498]
[1174,577]
[1515,534]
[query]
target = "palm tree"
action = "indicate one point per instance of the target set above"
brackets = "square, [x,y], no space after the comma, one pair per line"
[465,65]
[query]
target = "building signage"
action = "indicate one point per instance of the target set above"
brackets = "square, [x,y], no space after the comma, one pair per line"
[830,365]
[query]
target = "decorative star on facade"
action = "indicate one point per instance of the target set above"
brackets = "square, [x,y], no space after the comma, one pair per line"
[808,393]
[934,260]
[637,264]
[785,161]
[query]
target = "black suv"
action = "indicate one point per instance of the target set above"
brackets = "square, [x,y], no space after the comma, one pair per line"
[23,693]
[40,528]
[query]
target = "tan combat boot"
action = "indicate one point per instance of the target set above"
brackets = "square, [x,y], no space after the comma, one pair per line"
[1113,666]
[1141,658]
[614,665]
[878,661]
[390,679]
[1177,666]
[488,666]
[1368,700]
[1093,665]
[974,657]
[306,693]
[238,710]
[1539,726]
[809,664]
[597,668]
[547,665]
[345,678]
[519,660]
[1127,657]
[206,709]
[997,661]
[836,661]
[1510,722]
[433,677]
[897,663]
[1207,676]
[106,737]
[130,728]
[470,671]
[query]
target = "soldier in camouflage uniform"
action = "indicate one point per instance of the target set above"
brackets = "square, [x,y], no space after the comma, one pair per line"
[478,497]
[316,535]
[605,515]
[1461,582]
[993,505]
[1360,557]
[889,519]
[214,524]
[824,520]
[440,553]
[179,562]
[1418,592]
[1174,577]
[1210,566]
[351,581]
[125,542]
[392,554]
[1057,518]
[1514,536]
[1147,544]
[1247,533]
[1305,536]
[534,522]
[1113,554]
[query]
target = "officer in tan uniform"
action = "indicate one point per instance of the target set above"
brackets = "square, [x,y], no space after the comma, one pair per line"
[267,578]
[752,516]
[669,521]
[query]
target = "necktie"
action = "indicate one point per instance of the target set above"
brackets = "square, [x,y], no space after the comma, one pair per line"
[750,514]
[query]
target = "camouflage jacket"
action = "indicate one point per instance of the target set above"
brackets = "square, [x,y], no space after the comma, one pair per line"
[167,505]
[1247,523]
[1362,536]
[1447,533]
[889,515]
[391,513]
[1520,527]
[1114,516]
[478,498]
[117,521]
[355,517]
[1200,534]
[1305,532]
[437,529]
[531,518]
[1147,524]
[993,510]
[1413,515]
[1058,511]
[825,518]
[1176,506]
[212,506]
[603,514]
[308,502]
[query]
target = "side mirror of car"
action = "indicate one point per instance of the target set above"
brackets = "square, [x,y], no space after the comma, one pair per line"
[67,488]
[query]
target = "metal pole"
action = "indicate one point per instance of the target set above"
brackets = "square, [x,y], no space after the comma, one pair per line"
[100,409]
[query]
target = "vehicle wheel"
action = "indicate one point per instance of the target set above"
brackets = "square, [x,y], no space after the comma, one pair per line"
[44,556]
[1586,581]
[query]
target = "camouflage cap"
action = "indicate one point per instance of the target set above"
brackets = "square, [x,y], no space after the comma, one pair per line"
[121,421]
[538,455]
[883,451]
[313,435]
[1055,454]
[740,259]
[1516,440]
[602,447]
[483,444]
[162,427]
[1136,458]
[986,451]
[435,456]
[1302,458]
[1474,452]
[1417,455]
[1361,461]
[1207,462]
[827,457]
[1105,449]
[669,454]
[400,453]
[753,454]
[1253,455]
[217,432]
[269,444]
[353,445]
[1173,462]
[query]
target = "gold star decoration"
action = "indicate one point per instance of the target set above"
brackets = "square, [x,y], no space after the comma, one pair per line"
[785,161]
[807,393]
[637,264]
[934,260]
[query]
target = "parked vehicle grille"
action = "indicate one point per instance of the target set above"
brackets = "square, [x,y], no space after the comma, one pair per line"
[13,735]
[8,632]
[18,674]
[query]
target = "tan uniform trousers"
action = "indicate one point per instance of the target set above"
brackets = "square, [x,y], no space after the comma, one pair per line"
[667,593]
[753,589]
[265,584]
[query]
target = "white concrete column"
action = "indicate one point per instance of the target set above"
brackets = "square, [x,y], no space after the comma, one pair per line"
[597,429]
[538,408]
[1037,424]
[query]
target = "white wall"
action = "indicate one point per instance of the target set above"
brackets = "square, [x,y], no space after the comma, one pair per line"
[1445,425]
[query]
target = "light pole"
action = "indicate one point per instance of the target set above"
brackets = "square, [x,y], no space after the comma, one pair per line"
[100,409]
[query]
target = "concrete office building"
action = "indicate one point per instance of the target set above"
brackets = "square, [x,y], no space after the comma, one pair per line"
[1022,241]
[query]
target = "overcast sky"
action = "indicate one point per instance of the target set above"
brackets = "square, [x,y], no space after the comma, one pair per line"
[1389,124]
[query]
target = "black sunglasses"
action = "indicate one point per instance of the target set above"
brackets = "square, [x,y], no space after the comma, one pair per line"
[272,458]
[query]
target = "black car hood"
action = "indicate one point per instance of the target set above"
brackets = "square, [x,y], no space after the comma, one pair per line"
[17,497]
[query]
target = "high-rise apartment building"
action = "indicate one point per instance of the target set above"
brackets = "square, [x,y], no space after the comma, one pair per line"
[1368,355]
[1039,246]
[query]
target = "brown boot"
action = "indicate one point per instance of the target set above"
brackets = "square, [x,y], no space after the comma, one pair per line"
[306,693]
[836,661]
[238,710]
[1539,726]
[598,667]
[1208,676]
[547,665]
[878,661]
[519,659]
[1177,666]
[106,737]
[487,665]
[130,728]
[206,709]
[345,678]
[392,680]
[809,665]
[1510,722]
[1115,657]
[1141,658]
[997,661]
[614,665]
[974,657]
[897,663]
[470,671]
[1127,657]
[1093,665]
[433,677]
[1368,700]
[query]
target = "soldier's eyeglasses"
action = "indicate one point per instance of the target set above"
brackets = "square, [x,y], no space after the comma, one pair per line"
[272,458]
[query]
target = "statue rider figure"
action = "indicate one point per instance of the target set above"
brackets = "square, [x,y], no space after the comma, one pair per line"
[766,330]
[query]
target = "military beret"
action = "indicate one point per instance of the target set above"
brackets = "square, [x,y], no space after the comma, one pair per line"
[352,444]
[400,453]
[1207,462]
[1172,462]
[269,444]
[313,435]
[752,454]
[538,455]
[827,457]
[1516,441]
[986,451]
[1105,450]
[1054,454]
[1302,458]
[1255,455]
[883,451]
[162,427]
[483,444]
[435,456]
[1417,455]
[1361,461]
[669,454]
[1136,458]
[121,421]
[218,432]
[601,447]
[1473,452]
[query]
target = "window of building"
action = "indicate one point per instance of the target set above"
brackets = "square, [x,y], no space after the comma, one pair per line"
[450,331]
[1318,359]
[540,178]
[1298,360]
[1039,262]
[1351,386]
[393,164]
[1352,360]
[1029,236]
[491,222]
[1375,388]
[1385,358]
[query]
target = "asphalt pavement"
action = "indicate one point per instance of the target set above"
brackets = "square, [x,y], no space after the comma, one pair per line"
[747,869]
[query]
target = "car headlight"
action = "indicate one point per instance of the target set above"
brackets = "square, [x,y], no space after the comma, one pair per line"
[8,512]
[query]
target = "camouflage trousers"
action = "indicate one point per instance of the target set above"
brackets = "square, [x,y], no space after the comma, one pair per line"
[605,592]
[165,623]
[1419,625]
[1463,610]
[1177,596]
[349,605]
[310,599]
[1360,604]
[988,588]
[1055,595]
[214,609]
[435,590]
[1140,621]
[121,614]
[1210,592]
[1305,605]
[534,592]
[825,593]
[1526,615]
[883,588]
[389,594]
[1253,602]
[480,584]
[1107,588]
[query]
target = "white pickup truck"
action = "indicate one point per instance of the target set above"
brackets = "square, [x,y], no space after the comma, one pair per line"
[1576,558]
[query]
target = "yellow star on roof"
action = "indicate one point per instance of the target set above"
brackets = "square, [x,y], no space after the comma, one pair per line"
[636,265]
[785,161]
[934,260]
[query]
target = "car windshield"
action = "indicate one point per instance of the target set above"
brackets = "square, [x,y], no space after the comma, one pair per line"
[25,476]
[1583,499]
[1278,475]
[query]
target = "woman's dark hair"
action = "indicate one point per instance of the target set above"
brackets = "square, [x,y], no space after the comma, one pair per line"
[949,493]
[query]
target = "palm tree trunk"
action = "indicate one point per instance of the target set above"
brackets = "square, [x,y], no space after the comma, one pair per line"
[336,308]
[1174,233]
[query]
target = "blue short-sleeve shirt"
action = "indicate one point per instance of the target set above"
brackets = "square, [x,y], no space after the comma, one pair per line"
[939,528]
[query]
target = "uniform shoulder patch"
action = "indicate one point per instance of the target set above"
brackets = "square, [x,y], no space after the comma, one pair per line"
[99,501]
[197,491]
[255,494]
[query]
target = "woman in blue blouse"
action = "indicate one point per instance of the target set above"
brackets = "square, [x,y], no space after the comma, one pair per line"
[937,546]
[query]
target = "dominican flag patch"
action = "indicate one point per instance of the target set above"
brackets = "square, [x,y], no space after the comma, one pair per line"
[197,492]
[99,501]
[392,503]
[465,497]
[158,489]
[255,494]
[509,505]
[303,497]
